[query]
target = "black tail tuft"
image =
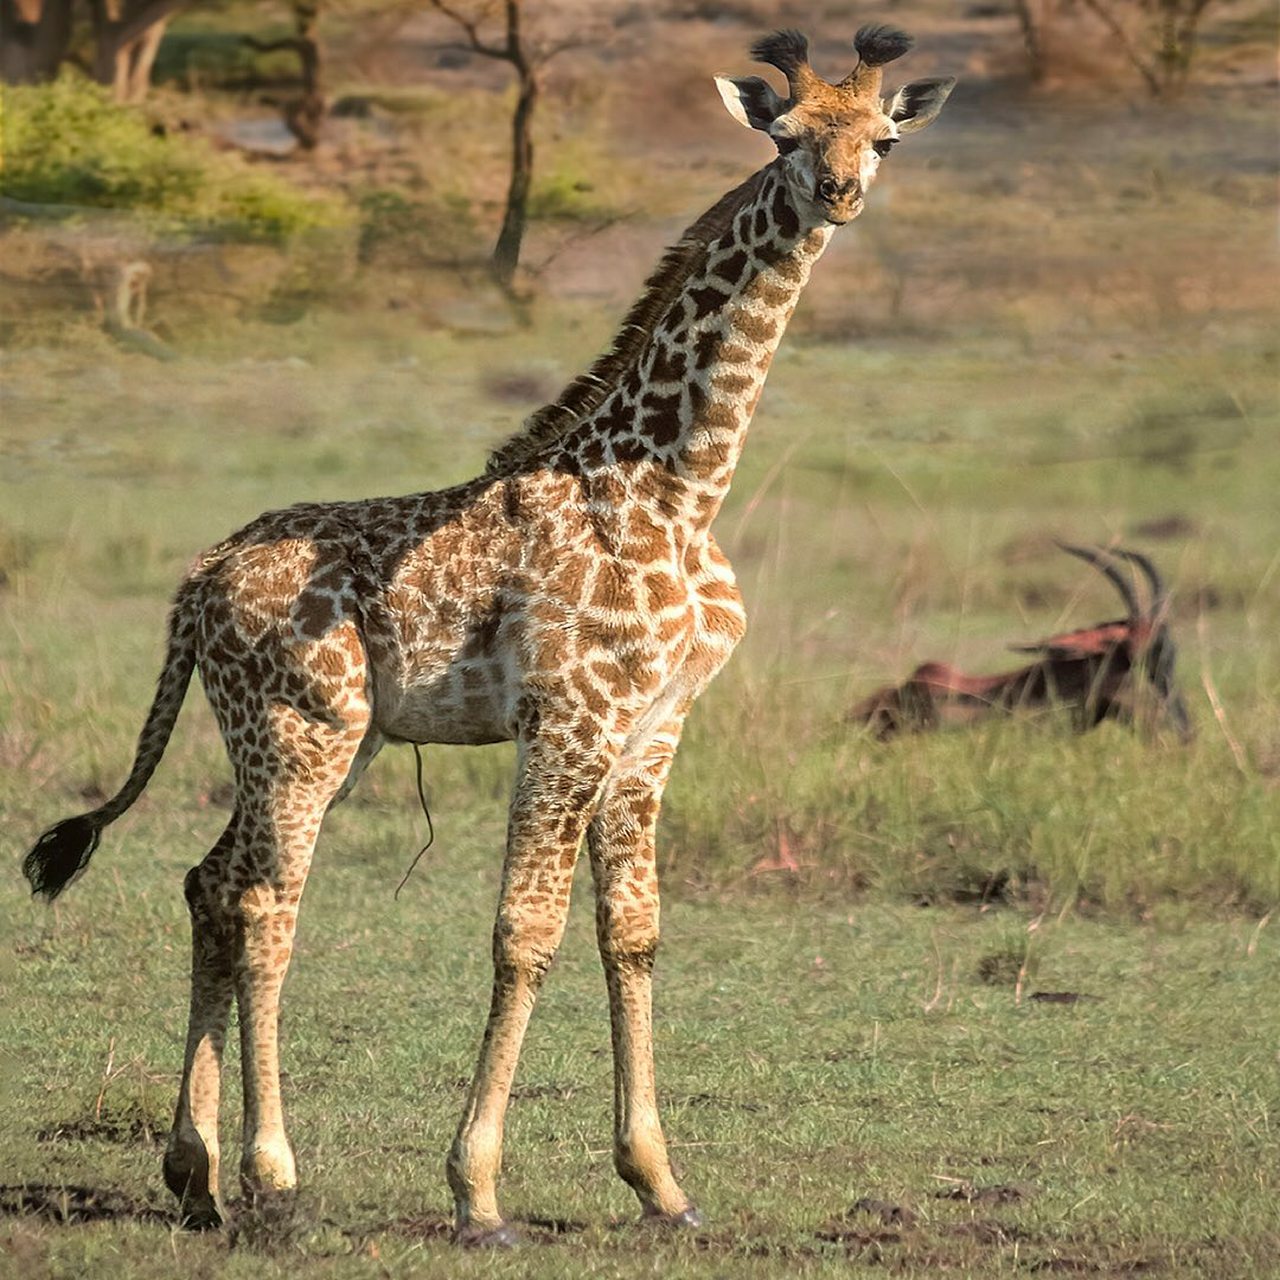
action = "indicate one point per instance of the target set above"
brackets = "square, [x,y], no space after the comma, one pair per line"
[61,854]
[877,44]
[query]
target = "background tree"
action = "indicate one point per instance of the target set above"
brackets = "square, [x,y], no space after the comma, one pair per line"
[35,40]
[1157,38]
[127,34]
[304,116]
[528,60]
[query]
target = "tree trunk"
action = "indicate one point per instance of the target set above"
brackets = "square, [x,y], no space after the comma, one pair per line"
[527,65]
[1179,33]
[34,35]
[1126,45]
[304,116]
[140,56]
[126,38]
[1031,39]
[506,253]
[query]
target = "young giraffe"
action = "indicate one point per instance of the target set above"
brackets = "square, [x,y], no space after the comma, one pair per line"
[572,598]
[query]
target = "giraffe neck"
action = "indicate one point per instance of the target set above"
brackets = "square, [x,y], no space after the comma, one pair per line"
[687,399]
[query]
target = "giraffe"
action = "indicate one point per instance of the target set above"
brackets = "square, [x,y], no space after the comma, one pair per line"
[571,598]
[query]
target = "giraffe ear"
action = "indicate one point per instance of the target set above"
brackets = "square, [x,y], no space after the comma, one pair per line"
[917,104]
[751,101]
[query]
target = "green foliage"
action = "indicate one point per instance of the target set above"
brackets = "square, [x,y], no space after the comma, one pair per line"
[68,144]
[397,229]
[561,193]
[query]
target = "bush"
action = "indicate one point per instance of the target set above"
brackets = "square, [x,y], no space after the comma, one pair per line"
[68,144]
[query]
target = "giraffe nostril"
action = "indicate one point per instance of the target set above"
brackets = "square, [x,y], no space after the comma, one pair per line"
[828,188]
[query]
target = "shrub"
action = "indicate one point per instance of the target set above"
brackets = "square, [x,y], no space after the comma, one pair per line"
[67,144]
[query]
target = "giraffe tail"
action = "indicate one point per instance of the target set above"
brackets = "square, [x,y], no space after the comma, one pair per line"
[61,855]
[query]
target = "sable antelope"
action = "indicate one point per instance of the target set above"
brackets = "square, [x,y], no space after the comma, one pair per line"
[1094,671]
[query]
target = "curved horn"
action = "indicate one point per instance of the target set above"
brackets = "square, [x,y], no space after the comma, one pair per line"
[875,44]
[1159,592]
[788,51]
[1097,557]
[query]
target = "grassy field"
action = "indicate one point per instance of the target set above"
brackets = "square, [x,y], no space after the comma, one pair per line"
[825,1036]
[812,1055]
[1056,320]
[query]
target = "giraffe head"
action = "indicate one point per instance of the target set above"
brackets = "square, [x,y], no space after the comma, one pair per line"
[832,137]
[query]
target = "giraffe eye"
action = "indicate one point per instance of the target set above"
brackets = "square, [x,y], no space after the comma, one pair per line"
[884,146]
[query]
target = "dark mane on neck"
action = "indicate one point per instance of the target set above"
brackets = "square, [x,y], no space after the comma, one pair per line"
[588,390]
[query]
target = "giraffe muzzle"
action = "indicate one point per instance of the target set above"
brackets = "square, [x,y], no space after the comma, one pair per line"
[839,200]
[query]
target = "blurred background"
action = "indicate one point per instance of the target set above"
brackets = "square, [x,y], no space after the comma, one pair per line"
[260,253]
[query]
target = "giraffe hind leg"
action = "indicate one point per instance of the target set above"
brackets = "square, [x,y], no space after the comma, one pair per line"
[283,816]
[293,716]
[192,1155]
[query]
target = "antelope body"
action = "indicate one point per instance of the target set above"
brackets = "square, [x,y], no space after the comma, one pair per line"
[1098,672]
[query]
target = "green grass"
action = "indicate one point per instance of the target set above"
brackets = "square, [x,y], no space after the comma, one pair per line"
[1131,1135]
[862,548]
[1040,329]
[822,1038]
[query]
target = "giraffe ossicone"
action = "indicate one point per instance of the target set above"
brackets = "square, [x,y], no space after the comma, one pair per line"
[571,598]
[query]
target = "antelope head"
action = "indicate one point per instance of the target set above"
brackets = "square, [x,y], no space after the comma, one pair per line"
[1140,645]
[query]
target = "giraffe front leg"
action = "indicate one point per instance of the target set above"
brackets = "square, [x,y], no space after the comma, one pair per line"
[621,841]
[191,1155]
[549,811]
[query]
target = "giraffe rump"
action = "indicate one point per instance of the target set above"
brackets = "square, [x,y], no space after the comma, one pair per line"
[587,392]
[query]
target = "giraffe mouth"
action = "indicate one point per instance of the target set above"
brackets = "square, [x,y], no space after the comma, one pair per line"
[838,217]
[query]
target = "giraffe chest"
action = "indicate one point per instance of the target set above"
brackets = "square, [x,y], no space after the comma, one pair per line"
[595,609]
[626,643]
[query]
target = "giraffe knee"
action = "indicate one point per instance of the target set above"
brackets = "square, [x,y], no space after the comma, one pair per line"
[200,891]
[627,928]
[212,927]
[525,946]
[633,948]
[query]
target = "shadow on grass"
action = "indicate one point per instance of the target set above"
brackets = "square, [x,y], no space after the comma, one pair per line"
[894,1234]
[73,1205]
[267,1224]
[439,1226]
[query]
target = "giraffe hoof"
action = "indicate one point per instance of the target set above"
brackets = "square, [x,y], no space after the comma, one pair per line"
[686,1220]
[476,1237]
[198,1209]
[196,1215]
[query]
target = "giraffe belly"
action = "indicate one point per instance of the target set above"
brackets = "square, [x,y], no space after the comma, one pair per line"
[469,703]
